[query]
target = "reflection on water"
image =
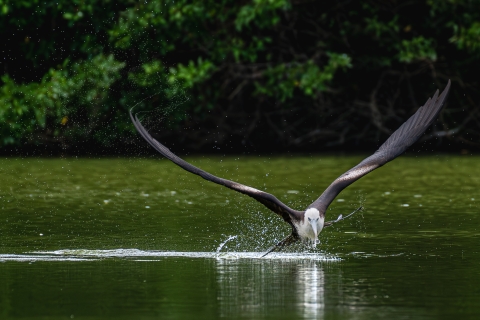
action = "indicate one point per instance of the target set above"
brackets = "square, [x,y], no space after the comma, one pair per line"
[263,288]
[284,284]
[149,284]
[311,290]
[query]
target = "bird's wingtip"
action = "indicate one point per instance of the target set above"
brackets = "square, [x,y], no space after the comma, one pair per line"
[447,87]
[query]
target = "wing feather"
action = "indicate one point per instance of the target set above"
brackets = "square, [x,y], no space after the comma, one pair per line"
[267,199]
[396,144]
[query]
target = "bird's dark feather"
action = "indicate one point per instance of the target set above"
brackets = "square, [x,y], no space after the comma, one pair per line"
[292,238]
[267,199]
[396,144]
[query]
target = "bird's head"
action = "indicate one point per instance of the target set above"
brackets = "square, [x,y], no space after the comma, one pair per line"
[313,223]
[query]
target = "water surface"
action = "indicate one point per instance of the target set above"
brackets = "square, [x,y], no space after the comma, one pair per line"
[138,238]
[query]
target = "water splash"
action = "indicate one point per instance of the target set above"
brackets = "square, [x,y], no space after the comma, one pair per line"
[224,243]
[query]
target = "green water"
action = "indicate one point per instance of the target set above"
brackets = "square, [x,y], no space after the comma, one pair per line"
[138,239]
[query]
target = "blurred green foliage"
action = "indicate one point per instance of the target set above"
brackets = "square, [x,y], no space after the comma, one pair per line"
[304,74]
[41,111]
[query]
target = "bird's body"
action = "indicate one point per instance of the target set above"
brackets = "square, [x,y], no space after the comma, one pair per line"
[307,224]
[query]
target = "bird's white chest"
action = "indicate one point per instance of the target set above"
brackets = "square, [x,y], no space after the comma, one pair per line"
[305,230]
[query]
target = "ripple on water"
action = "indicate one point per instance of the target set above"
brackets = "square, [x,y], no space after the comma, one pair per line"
[140,255]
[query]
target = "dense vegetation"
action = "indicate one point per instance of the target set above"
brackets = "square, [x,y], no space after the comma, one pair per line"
[258,75]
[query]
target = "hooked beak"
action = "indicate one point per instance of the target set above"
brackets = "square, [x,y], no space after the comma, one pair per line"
[314,227]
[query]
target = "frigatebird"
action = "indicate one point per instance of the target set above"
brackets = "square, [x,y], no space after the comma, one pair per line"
[307,224]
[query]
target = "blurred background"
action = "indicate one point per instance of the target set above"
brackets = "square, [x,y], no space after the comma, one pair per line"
[227,76]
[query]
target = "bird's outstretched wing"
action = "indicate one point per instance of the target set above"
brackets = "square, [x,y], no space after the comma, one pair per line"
[267,199]
[396,144]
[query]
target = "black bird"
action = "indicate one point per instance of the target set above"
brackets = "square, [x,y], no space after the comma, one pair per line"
[306,225]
